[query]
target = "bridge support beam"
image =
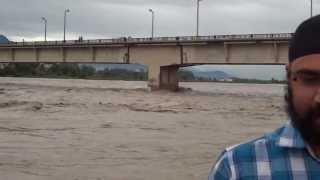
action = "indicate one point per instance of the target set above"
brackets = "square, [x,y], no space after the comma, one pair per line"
[163,77]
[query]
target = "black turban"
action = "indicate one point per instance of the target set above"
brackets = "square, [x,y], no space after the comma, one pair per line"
[306,39]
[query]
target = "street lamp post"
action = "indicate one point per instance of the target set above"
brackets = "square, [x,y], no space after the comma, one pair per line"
[152,29]
[198,4]
[45,27]
[311,8]
[64,24]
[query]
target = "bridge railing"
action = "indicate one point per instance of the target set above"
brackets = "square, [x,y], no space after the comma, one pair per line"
[123,40]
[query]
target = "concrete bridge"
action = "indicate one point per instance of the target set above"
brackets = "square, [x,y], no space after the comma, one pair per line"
[162,55]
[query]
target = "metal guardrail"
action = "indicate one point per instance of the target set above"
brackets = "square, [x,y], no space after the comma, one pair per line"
[123,40]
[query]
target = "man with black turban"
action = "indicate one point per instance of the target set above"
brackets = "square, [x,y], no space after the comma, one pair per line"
[292,151]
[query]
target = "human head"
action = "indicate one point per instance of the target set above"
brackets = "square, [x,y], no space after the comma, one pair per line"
[303,74]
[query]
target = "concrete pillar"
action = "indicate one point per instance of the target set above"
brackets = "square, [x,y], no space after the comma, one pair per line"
[154,76]
[163,77]
[93,54]
[13,54]
[227,52]
[63,54]
[276,52]
[36,52]
[169,77]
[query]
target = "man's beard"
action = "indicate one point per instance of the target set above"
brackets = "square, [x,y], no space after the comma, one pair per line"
[306,124]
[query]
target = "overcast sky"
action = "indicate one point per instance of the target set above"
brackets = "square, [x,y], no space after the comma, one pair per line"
[21,19]
[115,18]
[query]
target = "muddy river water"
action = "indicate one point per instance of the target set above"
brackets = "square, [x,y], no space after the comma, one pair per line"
[118,130]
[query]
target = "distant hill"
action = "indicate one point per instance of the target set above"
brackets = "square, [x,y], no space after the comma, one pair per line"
[3,39]
[217,75]
[130,67]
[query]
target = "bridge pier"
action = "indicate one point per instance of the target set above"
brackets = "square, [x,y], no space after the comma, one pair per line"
[169,77]
[163,77]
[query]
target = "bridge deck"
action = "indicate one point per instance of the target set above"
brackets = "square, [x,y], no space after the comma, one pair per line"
[123,41]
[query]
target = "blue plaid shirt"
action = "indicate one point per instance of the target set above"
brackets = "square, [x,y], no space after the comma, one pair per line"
[280,155]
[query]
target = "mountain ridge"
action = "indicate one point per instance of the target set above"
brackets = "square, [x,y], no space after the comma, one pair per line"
[211,74]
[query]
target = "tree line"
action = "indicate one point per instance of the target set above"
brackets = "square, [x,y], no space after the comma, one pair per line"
[188,76]
[68,70]
[73,70]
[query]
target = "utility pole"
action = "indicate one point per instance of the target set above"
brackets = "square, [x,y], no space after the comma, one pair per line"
[152,29]
[64,24]
[311,8]
[198,4]
[45,28]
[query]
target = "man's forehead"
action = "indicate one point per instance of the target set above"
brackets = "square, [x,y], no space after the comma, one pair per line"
[311,62]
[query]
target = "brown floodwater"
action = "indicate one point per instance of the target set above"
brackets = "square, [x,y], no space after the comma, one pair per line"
[90,129]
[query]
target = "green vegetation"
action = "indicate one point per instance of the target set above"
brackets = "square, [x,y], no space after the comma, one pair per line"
[121,74]
[185,75]
[70,70]
[67,70]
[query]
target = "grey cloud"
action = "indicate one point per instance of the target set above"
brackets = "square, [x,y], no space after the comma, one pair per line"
[115,18]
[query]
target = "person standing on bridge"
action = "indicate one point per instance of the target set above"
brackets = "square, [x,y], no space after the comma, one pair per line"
[292,151]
